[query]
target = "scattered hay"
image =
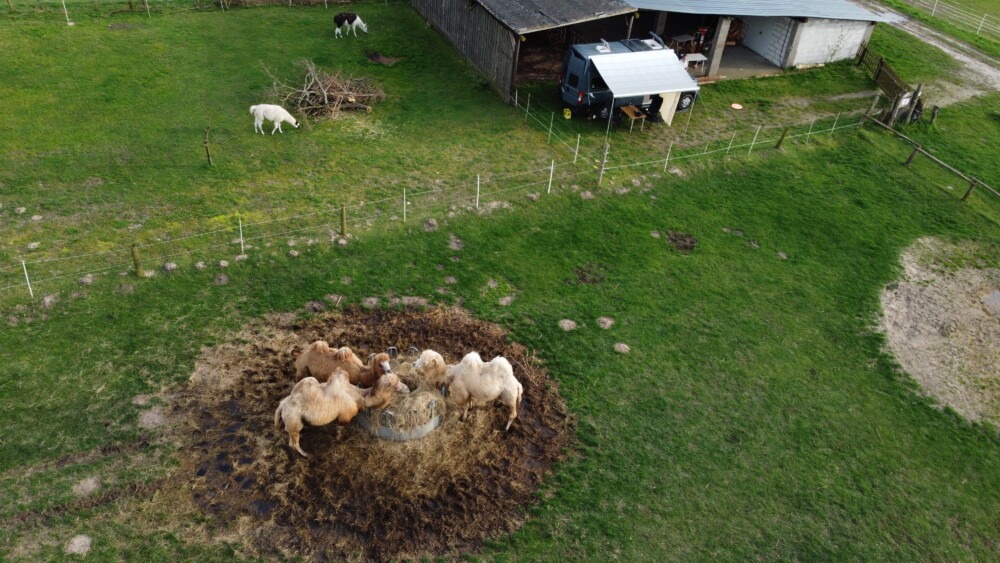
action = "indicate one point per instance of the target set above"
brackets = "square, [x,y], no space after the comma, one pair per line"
[359,496]
[605,322]
[567,325]
[622,348]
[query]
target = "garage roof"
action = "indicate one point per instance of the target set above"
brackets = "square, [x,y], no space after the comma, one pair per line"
[823,9]
[643,73]
[526,16]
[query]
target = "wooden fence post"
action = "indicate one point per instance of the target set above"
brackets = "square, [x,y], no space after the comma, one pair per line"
[135,261]
[893,109]
[913,155]
[934,114]
[208,151]
[782,138]
[343,220]
[972,186]
[913,103]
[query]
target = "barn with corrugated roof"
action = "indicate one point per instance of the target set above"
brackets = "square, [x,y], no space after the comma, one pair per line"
[779,33]
[513,41]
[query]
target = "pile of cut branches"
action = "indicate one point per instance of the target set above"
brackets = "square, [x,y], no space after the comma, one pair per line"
[322,94]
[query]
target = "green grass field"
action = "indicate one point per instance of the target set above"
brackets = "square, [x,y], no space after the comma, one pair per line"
[756,416]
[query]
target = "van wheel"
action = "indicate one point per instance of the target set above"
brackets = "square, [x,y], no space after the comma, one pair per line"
[686,101]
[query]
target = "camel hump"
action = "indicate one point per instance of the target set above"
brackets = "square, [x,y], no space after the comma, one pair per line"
[344,354]
[320,346]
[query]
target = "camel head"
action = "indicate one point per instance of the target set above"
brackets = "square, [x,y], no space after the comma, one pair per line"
[380,364]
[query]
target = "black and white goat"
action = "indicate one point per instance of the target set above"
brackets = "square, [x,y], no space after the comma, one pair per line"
[348,20]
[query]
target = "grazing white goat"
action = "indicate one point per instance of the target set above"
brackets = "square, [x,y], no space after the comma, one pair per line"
[320,361]
[472,380]
[348,20]
[271,112]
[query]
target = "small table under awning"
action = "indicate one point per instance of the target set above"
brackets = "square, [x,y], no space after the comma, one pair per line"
[646,73]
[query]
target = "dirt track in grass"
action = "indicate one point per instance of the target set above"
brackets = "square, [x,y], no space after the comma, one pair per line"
[360,497]
[941,327]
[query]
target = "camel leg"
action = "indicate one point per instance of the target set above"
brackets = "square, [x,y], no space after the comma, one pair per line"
[513,415]
[293,441]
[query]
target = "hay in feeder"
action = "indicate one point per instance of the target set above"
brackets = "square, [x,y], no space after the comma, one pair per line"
[407,417]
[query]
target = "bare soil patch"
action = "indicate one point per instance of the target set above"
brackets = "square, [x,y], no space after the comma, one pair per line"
[942,331]
[379,58]
[359,496]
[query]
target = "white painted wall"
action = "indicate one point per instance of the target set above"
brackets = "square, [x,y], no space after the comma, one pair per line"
[822,41]
[768,37]
[826,41]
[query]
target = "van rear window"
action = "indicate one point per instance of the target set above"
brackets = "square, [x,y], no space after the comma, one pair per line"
[573,80]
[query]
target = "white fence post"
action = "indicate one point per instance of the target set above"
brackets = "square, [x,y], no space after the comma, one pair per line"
[552,171]
[477,191]
[981,24]
[242,249]
[551,121]
[835,120]
[934,9]
[27,279]
[527,106]
[809,132]
[577,151]
[68,21]
[730,144]
[666,162]
[754,140]
[404,205]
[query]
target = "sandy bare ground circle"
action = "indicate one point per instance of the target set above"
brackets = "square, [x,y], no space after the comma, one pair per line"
[942,331]
[360,497]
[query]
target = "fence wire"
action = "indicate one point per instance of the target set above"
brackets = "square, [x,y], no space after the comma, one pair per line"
[464,193]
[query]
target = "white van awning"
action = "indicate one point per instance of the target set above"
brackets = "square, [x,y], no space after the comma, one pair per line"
[644,73]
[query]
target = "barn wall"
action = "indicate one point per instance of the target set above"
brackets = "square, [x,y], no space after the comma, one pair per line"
[487,44]
[826,41]
[768,37]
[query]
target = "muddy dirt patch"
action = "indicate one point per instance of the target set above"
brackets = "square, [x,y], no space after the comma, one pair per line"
[359,496]
[939,326]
